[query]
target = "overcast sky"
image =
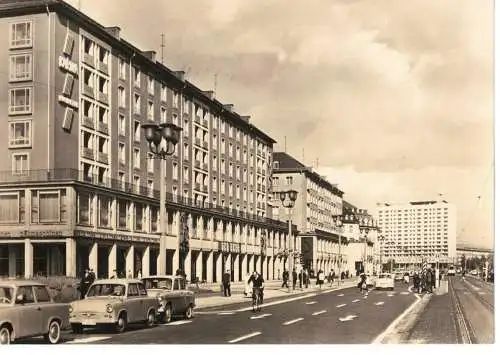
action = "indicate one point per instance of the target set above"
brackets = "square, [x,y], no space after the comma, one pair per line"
[393,98]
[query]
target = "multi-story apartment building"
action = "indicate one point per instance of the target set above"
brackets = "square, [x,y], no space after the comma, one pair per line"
[79,187]
[318,205]
[418,232]
[360,228]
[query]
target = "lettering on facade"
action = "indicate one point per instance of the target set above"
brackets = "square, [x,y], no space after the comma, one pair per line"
[33,234]
[228,247]
[66,100]
[66,64]
[115,237]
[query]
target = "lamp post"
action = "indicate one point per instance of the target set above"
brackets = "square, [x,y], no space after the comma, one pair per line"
[381,239]
[338,225]
[288,199]
[155,134]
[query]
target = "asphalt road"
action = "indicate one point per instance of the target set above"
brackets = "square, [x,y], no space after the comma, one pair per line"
[323,317]
[476,301]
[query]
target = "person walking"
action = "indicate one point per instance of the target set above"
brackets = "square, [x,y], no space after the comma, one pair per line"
[92,277]
[84,284]
[321,278]
[301,278]
[226,283]
[294,278]
[285,279]
[362,283]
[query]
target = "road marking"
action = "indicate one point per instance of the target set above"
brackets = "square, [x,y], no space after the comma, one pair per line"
[341,305]
[179,322]
[319,312]
[244,337]
[87,340]
[405,293]
[390,295]
[354,301]
[340,295]
[225,313]
[261,316]
[293,321]
[466,293]
[348,318]
[378,303]
[365,297]
[278,302]
[311,302]
[482,293]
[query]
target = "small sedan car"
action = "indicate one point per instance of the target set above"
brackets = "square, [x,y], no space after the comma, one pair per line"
[115,302]
[174,299]
[384,281]
[27,310]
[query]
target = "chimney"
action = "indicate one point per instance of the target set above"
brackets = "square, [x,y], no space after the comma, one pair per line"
[151,55]
[246,118]
[210,94]
[180,74]
[229,107]
[113,31]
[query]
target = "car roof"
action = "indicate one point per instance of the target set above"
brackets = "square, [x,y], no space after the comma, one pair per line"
[162,276]
[116,281]
[17,283]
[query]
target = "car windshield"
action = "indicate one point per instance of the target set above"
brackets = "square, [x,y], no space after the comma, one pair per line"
[384,276]
[163,283]
[6,294]
[97,290]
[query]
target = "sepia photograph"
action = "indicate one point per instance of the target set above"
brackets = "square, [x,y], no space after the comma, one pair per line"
[246,172]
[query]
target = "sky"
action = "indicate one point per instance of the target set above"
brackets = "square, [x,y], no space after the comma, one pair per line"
[392,100]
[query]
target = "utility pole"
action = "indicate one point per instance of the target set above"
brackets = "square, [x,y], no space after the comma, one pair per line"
[215,84]
[162,46]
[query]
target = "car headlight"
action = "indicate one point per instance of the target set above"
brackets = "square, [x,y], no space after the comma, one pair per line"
[109,308]
[70,309]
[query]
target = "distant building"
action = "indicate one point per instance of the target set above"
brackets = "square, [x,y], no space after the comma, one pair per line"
[418,232]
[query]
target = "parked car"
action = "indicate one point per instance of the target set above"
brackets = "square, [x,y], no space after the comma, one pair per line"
[384,281]
[116,302]
[399,276]
[473,272]
[450,272]
[27,310]
[173,297]
[370,282]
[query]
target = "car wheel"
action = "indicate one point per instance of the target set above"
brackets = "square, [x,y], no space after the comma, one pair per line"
[167,316]
[121,324]
[53,336]
[151,318]
[188,314]
[77,328]
[4,336]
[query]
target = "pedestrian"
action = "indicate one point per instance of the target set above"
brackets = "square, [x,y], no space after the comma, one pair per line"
[92,277]
[307,279]
[285,279]
[130,275]
[114,275]
[428,277]
[416,283]
[294,278]
[362,283]
[84,283]
[321,278]
[139,274]
[226,283]
[301,278]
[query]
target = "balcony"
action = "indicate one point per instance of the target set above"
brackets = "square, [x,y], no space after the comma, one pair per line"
[103,157]
[88,122]
[197,186]
[197,119]
[205,166]
[197,141]
[205,145]
[103,127]
[205,189]
[88,90]
[102,97]
[89,59]
[102,67]
[205,123]
[88,153]
[197,164]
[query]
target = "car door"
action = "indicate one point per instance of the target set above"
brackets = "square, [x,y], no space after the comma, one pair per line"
[176,296]
[145,301]
[29,316]
[42,299]
[133,304]
[183,294]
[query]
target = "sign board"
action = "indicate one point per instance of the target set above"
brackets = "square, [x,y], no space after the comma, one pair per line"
[116,237]
[228,247]
[35,234]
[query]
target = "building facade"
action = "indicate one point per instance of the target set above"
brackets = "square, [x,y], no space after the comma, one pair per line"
[318,205]
[418,232]
[78,185]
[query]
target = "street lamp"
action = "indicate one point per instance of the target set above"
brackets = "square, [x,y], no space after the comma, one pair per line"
[338,225]
[288,199]
[381,239]
[364,235]
[155,134]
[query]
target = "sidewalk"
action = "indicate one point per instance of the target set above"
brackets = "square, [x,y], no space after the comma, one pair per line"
[269,293]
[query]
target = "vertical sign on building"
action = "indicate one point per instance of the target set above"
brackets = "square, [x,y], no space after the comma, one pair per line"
[71,72]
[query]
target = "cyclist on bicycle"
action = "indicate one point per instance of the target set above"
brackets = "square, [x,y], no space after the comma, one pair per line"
[257,285]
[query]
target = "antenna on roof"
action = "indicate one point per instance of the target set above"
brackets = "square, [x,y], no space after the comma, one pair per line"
[303,155]
[79,5]
[162,46]
[215,85]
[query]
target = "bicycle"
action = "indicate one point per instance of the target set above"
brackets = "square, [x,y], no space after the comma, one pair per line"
[257,301]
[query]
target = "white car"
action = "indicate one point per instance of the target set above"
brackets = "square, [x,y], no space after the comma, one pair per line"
[385,281]
[370,281]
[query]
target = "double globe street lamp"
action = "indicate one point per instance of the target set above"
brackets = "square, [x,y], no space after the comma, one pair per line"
[155,135]
[337,220]
[288,199]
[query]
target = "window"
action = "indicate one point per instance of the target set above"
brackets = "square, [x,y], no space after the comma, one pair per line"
[163,115]
[121,96]
[137,77]
[104,211]
[137,103]
[27,292]
[85,210]
[21,35]
[49,210]
[20,67]
[150,187]
[137,158]
[163,93]
[121,124]
[122,214]
[151,163]
[9,208]
[132,291]
[19,101]
[151,111]
[121,153]
[289,180]
[137,131]
[123,69]
[142,290]
[41,294]
[151,85]
[20,163]
[139,215]
[20,134]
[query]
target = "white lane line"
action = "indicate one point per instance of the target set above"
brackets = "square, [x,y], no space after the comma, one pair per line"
[341,305]
[348,318]
[378,303]
[87,340]
[340,294]
[278,302]
[225,313]
[354,301]
[261,316]
[244,337]
[365,297]
[293,321]
[482,293]
[405,293]
[390,295]
[311,302]
[179,322]
[319,312]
